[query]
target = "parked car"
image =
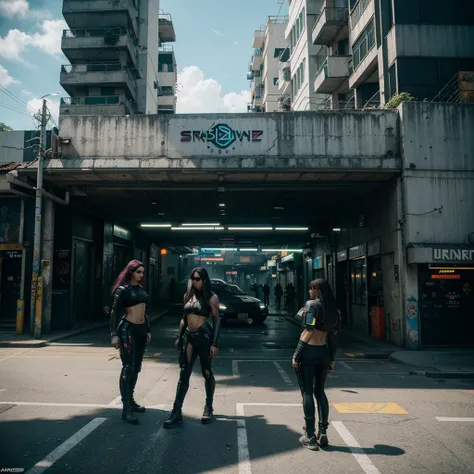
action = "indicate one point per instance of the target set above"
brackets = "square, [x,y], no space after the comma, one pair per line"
[234,304]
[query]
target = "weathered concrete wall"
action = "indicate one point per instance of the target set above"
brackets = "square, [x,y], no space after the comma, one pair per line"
[438,178]
[322,140]
[11,146]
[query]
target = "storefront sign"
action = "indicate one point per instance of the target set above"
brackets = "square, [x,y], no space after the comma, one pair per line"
[318,263]
[288,258]
[453,255]
[11,246]
[341,256]
[122,233]
[357,251]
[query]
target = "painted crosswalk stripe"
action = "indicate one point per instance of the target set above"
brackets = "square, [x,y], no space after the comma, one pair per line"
[282,372]
[65,447]
[458,419]
[359,454]
[242,442]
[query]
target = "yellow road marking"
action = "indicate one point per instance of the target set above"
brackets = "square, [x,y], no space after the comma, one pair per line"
[373,408]
[16,354]
[64,357]
[354,354]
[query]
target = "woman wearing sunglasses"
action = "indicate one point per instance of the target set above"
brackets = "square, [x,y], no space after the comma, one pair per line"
[197,337]
[130,332]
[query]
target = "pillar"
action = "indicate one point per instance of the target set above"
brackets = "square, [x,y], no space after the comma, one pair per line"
[47,256]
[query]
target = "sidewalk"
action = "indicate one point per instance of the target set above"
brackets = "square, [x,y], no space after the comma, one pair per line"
[10,338]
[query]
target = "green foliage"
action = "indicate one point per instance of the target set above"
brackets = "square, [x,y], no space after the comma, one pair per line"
[5,128]
[396,100]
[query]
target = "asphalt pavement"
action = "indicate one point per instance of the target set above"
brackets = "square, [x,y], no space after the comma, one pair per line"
[60,410]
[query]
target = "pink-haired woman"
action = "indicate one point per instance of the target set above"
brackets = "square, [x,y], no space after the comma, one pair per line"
[130,332]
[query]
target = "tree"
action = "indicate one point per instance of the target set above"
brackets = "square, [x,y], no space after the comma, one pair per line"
[396,100]
[5,128]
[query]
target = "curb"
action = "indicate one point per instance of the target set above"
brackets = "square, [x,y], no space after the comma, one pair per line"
[449,375]
[45,342]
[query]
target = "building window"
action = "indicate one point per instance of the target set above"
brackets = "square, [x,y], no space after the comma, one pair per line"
[358,281]
[364,44]
[297,30]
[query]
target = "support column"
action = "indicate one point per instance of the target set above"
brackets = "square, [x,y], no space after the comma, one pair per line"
[47,263]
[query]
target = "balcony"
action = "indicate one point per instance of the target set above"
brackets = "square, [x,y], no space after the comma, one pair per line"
[329,24]
[166,28]
[101,44]
[74,78]
[360,15]
[98,105]
[100,13]
[259,38]
[333,75]
[257,59]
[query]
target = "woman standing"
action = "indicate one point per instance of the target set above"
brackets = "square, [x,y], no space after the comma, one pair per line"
[130,332]
[197,337]
[312,359]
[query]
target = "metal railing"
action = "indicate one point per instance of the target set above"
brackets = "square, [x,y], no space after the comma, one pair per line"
[323,67]
[91,100]
[450,92]
[362,48]
[165,17]
[358,11]
[258,52]
[278,20]
[166,48]
[94,32]
[340,104]
[96,67]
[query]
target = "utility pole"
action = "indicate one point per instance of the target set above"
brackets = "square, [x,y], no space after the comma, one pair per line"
[36,283]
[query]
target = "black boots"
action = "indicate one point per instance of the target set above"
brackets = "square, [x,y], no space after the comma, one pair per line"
[308,440]
[128,416]
[322,437]
[133,404]
[175,418]
[207,413]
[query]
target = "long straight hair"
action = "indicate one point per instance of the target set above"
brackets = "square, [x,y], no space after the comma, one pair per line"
[124,275]
[206,292]
[326,296]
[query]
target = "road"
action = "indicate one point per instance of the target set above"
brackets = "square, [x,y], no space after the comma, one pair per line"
[59,410]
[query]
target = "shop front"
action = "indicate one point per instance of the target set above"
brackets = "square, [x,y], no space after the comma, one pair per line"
[358,292]
[375,298]
[445,276]
[342,286]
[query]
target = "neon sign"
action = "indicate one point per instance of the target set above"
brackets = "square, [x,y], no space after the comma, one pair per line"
[221,136]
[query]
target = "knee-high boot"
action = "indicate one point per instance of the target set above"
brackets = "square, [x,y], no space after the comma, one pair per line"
[125,392]
[133,381]
[176,416]
[210,386]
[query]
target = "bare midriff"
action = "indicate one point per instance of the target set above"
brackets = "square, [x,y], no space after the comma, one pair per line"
[318,338]
[195,321]
[136,314]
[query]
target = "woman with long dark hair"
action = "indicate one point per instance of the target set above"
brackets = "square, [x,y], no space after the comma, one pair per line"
[312,359]
[130,332]
[196,337]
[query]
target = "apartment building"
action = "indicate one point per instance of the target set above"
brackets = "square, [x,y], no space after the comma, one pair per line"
[167,68]
[112,47]
[269,43]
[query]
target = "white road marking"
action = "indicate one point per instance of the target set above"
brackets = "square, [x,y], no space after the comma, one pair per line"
[65,447]
[283,374]
[115,400]
[242,441]
[459,419]
[344,364]
[235,368]
[256,404]
[75,405]
[359,454]
[3,389]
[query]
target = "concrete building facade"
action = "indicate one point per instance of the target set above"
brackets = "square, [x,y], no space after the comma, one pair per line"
[113,51]
[167,68]
[264,68]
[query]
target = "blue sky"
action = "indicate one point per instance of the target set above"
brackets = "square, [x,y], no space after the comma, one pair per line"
[213,48]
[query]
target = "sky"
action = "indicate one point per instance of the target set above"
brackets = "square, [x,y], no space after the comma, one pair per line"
[213,48]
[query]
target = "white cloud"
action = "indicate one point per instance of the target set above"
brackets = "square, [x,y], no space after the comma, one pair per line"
[12,8]
[48,40]
[26,92]
[218,33]
[35,105]
[5,79]
[21,9]
[199,95]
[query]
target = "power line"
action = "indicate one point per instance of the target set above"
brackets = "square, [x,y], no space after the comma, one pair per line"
[16,98]
[14,109]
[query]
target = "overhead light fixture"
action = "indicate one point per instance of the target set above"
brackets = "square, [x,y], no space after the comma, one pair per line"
[201,225]
[282,250]
[336,229]
[278,208]
[198,228]
[217,249]
[154,203]
[221,204]
[291,228]
[161,214]
[248,250]
[250,228]
[155,225]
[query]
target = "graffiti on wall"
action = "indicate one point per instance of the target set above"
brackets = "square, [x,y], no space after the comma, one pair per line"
[221,135]
[412,321]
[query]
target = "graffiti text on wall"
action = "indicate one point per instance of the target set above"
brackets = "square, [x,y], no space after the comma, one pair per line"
[221,136]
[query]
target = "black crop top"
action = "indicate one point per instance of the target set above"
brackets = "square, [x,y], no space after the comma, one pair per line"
[199,307]
[313,315]
[125,297]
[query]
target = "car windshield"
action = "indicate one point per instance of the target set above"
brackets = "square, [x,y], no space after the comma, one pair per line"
[223,287]
[237,290]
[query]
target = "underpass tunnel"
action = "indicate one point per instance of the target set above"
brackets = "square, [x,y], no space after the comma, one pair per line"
[247,229]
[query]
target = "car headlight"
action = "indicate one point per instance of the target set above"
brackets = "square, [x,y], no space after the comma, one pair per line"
[262,306]
[222,307]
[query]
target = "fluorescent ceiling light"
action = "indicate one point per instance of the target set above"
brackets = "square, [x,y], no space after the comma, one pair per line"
[198,228]
[336,229]
[218,249]
[155,225]
[203,225]
[282,250]
[221,204]
[250,228]
[291,228]
[278,208]
[248,250]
